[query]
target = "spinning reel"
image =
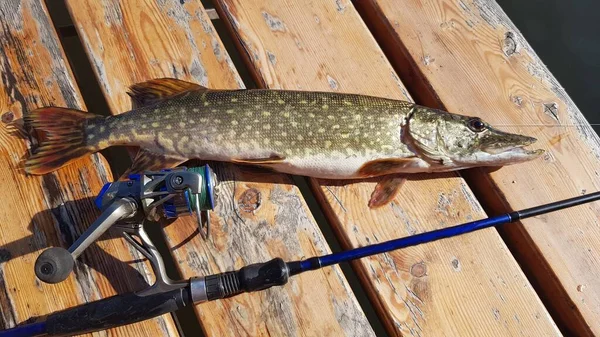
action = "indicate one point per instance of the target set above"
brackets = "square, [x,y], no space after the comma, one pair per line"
[127,205]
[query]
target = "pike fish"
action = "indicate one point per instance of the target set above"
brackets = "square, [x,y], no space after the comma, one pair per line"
[315,134]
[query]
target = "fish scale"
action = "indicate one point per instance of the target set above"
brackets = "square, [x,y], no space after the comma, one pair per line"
[316,134]
[284,123]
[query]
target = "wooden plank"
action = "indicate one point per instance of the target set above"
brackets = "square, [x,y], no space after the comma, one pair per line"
[465,286]
[39,212]
[259,215]
[469,57]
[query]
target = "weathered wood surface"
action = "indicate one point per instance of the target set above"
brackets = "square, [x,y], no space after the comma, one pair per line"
[465,286]
[469,57]
[259,215]
[39,212]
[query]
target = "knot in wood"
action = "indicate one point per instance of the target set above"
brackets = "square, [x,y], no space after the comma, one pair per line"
[456,264]
[8,117]
[509,45]
[250,200]
[418,269]
[518,100]
[551,109]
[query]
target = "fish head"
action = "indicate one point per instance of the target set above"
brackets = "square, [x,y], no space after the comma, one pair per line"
[456,141]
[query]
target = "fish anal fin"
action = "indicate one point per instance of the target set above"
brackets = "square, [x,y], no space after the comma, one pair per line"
[155,90]
[385,191]
[149,161]
[380,167]
[275,159]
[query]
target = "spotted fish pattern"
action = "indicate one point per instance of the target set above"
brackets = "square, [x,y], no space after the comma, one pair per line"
[261,124]
[317,134]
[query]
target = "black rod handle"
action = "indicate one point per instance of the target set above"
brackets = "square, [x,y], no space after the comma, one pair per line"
[116,311]
[254,277]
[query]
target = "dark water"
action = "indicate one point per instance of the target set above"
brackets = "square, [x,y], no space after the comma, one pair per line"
[566,36]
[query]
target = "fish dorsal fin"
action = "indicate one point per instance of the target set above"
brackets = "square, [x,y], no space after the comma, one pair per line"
[153,91]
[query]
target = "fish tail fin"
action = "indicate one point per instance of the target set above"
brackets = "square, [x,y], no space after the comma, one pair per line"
[61,134]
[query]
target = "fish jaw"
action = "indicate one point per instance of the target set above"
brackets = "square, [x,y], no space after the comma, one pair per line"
[510,156]
[519,155]
[498,148]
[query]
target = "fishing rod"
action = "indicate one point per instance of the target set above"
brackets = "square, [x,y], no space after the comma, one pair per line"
[194,188]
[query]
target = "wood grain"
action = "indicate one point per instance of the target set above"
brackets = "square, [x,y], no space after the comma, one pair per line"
[465,286]
[52,210]
[259,215]
[470,58]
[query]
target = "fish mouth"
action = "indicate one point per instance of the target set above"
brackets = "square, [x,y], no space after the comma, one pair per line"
[521,151]
[517,150]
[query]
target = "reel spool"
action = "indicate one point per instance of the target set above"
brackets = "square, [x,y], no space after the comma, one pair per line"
[170,193]
[189,203]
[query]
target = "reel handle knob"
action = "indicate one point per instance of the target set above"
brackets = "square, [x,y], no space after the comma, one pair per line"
[54,265]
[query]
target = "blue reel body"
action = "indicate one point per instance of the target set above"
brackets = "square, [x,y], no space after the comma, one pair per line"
[181,203]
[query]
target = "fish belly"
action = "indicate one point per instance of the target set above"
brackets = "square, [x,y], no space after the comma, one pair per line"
[331,167]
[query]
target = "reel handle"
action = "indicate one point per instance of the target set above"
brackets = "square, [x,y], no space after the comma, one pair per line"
[55,264]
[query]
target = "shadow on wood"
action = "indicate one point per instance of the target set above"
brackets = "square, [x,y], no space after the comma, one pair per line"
[101,261]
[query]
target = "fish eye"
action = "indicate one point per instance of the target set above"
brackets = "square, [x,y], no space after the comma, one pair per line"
[476,125]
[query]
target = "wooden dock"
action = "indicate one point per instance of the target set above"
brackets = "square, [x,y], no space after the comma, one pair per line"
[540,277]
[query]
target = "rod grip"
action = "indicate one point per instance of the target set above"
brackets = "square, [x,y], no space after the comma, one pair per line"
[116,311]
[250,278]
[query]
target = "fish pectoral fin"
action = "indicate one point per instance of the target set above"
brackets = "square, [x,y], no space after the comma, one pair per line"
[385,191]
[275,159]
[380,167]
[153,91]
[150,161]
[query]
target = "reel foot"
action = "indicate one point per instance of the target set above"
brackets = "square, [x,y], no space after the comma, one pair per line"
[54,265]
